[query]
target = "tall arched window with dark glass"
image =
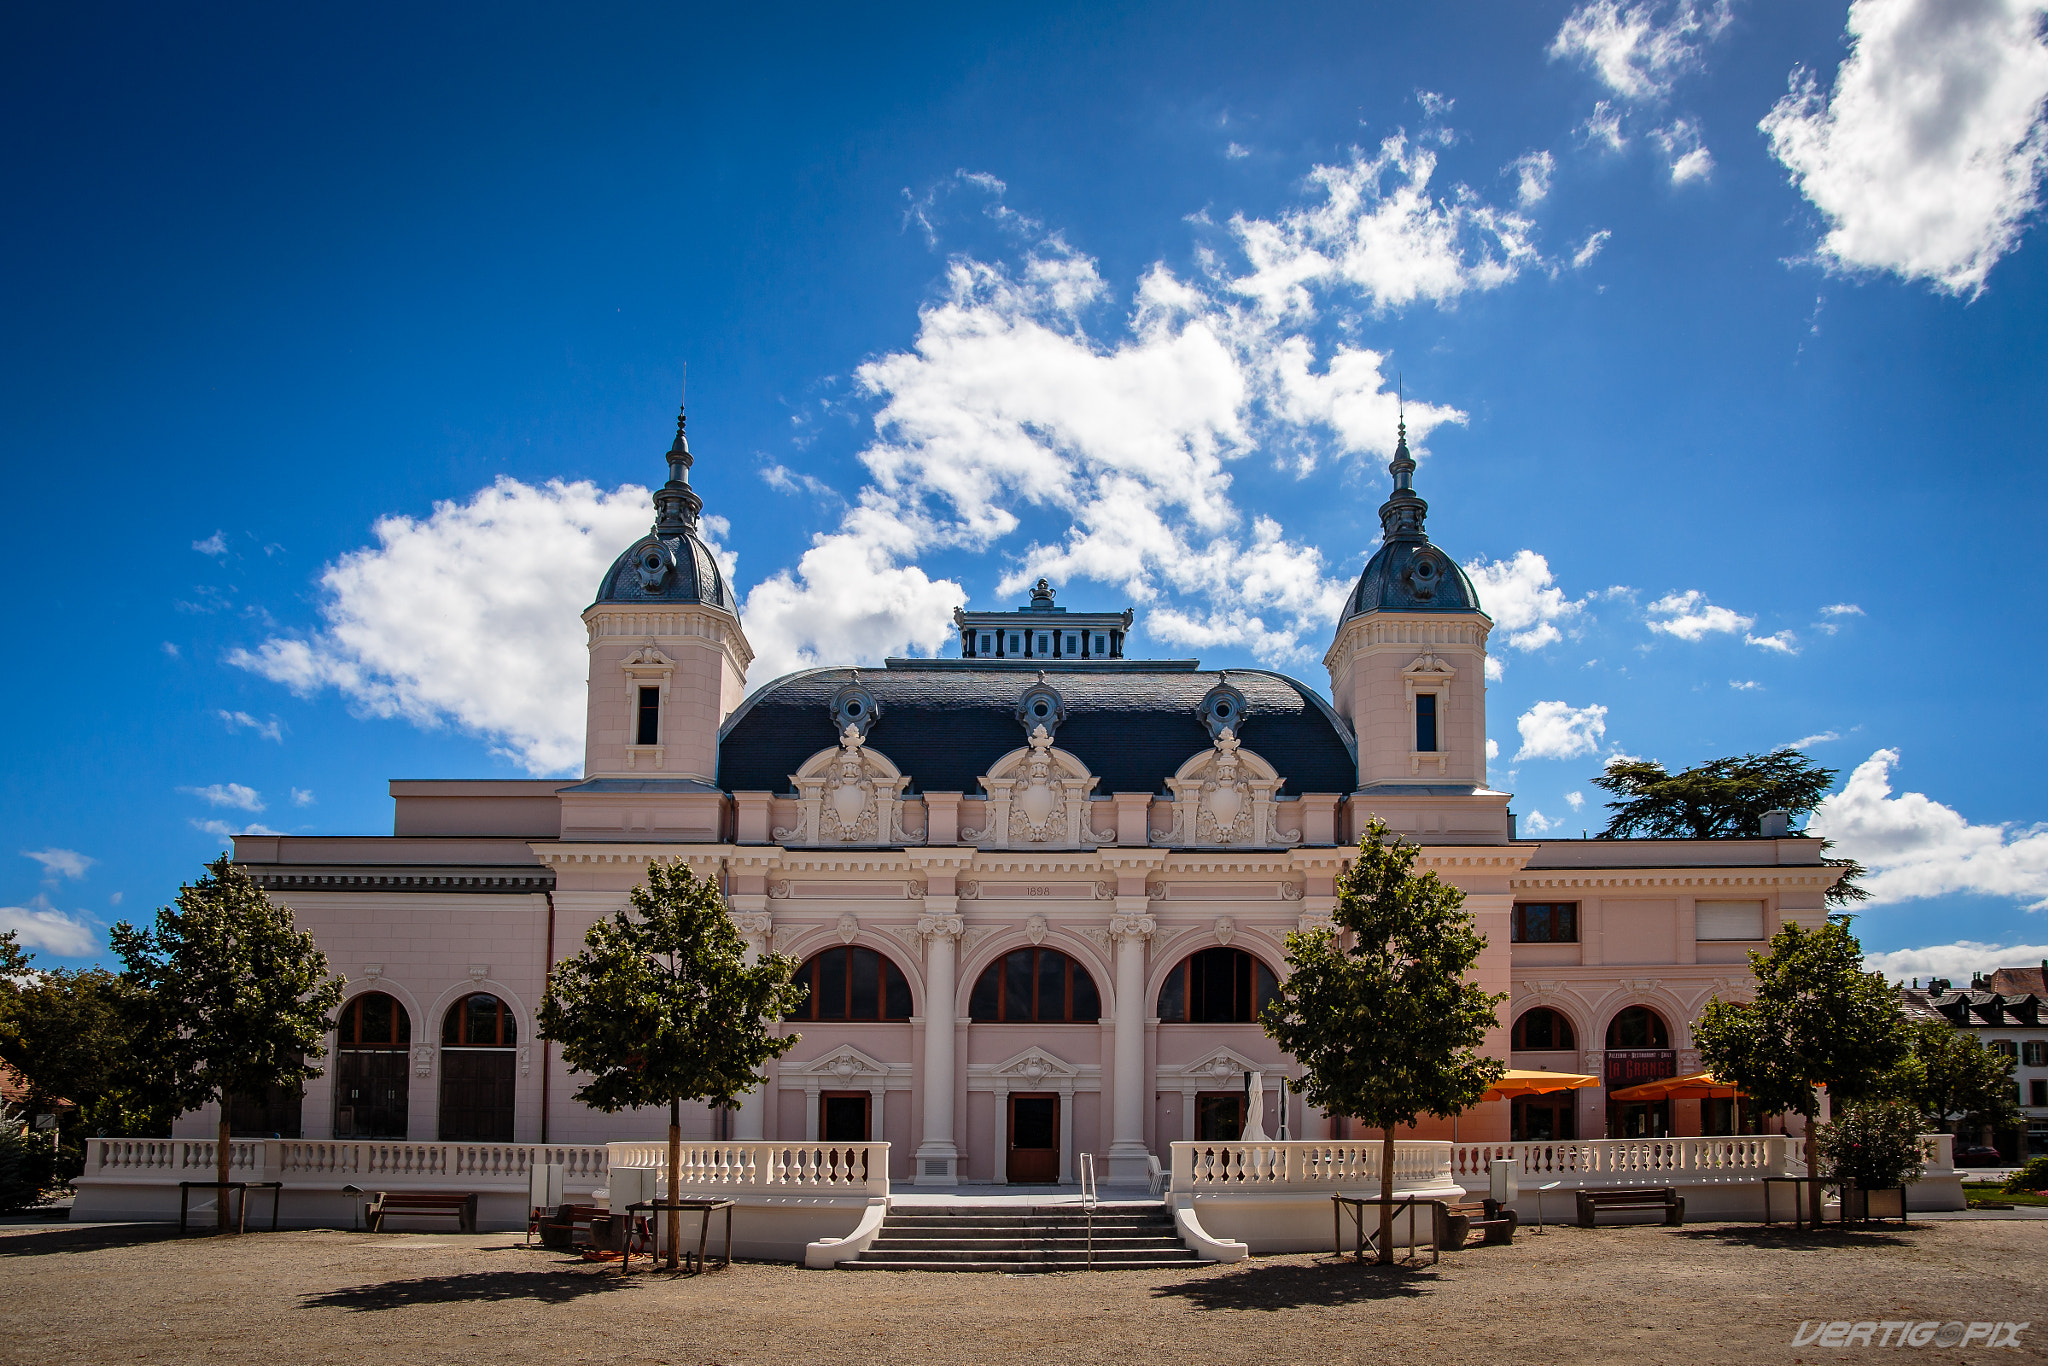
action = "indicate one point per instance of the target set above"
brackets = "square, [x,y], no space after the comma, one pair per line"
[479,1081]
[1217,986]
[1034,986]
[851,984]
[372,1065]
[1425,723]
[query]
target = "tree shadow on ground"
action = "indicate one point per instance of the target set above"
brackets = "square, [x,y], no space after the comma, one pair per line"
[471,1287]
[92,1238]
[1294,1284]
[1786,1239]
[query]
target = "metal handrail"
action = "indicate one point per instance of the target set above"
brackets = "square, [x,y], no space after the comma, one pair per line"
[1088,1201]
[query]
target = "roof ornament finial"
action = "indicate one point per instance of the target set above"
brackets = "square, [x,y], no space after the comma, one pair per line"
[676,504]
[1401,515]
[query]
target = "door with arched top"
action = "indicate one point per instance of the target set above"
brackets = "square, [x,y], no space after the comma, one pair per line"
[479,1070]
[372,1056]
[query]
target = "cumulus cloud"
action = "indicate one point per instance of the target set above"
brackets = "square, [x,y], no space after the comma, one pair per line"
[1532,172]
[215,545]
[1575,800]
[1539,823]
[1954,961]
[1689,616]
[1841,609]
[1925,158]
[1779,642]
[60,862]
[1638,50]
[301,797]
[1809,741]
[1556,730]
[1493,749]
[226,833]
[1603,126]
[1523,599]
[470,616]
[1916,847]
[1744,685]
[241,720]
[227,794]
[1683,151]
[39,925]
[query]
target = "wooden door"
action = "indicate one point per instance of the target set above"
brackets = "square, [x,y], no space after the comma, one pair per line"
[478,1087]
[370,1092]
[843,1117]
[1034,1140]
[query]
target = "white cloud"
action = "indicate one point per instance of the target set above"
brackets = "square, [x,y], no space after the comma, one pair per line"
[1926,157]
[1603,125]
[1915,847]
[1744,685]
[1589,249]
[170,649]
[301,797]
[1842,609]
[783,479]
[226,833]
[1553,730]
[1809,741]
[1236,153]
[1532,177]
[1635,55]
[1688,159]
[1523,599]
[1689,616]
[227,794]
[1539,823]
[215,545]
[848,601]
[60,862]
[39,925]
[1575,800]
[1493,749]
[1495,669]
[1782,642]
[470,616]
[1954,961]
[269,730]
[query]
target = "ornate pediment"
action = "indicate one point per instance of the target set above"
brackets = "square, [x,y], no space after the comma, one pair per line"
[848,795]
[846,1065]
[1033,1068]
[1220,1070]
[1037,798]
[1225,796]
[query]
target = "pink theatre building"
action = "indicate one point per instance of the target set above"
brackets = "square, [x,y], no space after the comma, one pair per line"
[1039,890]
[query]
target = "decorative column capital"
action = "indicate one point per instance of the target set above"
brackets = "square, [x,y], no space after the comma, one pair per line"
[941,926]
[1138,927]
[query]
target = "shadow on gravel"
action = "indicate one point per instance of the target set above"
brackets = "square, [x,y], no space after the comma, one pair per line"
[474,1287]
[1292,1286]
[89,1239]
[1787,1240]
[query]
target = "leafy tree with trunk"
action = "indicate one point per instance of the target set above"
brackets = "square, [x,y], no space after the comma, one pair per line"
[1817,1019]
[235,995]
[661,1007]
[1953,1079]
[1382,1019]
[1721,799]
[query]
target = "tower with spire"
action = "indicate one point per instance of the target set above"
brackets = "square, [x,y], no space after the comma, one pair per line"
[668,660]
[1408,671]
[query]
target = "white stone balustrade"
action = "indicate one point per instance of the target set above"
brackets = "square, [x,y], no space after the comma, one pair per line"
[767,1168]
[1627,1161]
[1316,1165]
[343,1161]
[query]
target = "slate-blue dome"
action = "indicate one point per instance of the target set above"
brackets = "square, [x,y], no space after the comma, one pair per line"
[1407,573]
[670,564]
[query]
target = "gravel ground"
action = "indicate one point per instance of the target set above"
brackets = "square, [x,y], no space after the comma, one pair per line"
[1703,1293]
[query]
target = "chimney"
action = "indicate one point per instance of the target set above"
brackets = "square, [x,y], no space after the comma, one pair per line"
[1775,825]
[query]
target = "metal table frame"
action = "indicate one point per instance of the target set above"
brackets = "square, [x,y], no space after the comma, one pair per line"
[705,1206]
[1358,1205]
[1801,1208]
[276,1189]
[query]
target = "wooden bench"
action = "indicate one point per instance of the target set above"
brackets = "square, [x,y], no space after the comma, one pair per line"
[1591,1202]
[558,1226]
[1497,1222]
[424,1204]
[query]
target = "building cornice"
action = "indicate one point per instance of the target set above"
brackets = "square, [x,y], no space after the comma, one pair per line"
[1820,876]
[489,881]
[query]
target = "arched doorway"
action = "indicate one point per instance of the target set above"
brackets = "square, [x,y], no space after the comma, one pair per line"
[479,1070]
[1546,1118]
[372,1052]
[1034,986]
[1639,1050]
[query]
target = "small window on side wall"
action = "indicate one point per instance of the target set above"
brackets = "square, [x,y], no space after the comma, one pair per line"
[1545,922]
[1425,723]
[648,731]
[1729,919]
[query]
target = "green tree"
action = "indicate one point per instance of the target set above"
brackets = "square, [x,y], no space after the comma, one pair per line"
[661,1007]
[1873,1143]
[1817,1019]
[75,1035]
[1952,1078]
[1386,1029]
[1721,799]
[236,996]
[27,1164]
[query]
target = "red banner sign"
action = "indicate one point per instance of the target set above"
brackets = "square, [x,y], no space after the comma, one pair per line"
[1632,1066]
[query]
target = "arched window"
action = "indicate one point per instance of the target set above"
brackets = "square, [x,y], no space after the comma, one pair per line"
[1543,1028]
[1217,986]
[1041,986]
[852,984]
[372,1053]
[1638,1027]
[479,1082]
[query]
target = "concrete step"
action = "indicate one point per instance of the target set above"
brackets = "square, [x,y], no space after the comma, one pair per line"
[1028,1238]
[885,1243]
[1007,1260]
[1035,1225]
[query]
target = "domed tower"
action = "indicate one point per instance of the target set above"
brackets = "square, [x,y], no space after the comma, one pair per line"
[668,661]
[1408,666]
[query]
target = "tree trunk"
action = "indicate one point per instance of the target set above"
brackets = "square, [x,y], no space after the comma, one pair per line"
[675,1179]
[1386,1197]
[220,1169]
[1813,1169]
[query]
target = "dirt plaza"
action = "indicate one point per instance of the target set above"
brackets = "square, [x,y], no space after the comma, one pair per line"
[1702,1293]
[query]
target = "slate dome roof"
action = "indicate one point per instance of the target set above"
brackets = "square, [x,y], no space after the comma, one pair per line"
[1407,573]
[670,564]
[946,722]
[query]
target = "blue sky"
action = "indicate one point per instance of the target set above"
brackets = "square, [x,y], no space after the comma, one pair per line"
[341,345]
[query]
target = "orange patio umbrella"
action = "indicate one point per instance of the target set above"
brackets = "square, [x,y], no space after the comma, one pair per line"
[1520,1082]
[1693,1086]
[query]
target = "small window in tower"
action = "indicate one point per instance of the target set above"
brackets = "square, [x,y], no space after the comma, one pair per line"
[650,717]
[986,646]
[1425,723]
[1042,645]
[1070,644]
[1099,646]
[1016,646]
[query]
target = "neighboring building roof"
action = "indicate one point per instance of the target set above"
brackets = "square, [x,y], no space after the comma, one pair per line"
[1980,1009]
[670,564]
[2013,981]
[1408,574]
[1914,1005]
[945,726]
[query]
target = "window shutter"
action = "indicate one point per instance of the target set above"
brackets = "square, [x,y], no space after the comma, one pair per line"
[1730,920]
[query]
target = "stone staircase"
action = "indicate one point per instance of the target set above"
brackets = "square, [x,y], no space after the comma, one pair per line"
[1025,1238]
